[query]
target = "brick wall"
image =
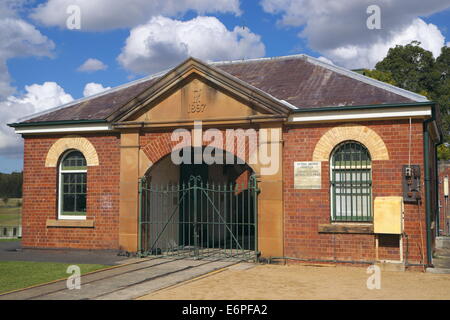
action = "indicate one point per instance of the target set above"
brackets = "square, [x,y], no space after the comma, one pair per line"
[304,210]
[40,197]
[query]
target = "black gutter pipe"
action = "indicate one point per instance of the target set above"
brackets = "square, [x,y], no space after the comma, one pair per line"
[427,178]
[363,107]
[427,188]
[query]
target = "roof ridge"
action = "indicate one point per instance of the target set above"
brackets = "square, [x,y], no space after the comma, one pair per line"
[293,56]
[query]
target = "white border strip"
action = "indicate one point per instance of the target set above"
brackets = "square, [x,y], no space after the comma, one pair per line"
[90,127]
[337,115]
[361,114]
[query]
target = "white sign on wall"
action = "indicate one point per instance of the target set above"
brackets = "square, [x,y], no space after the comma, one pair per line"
[308,175]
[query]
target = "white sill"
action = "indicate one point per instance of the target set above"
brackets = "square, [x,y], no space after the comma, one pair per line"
[72,217]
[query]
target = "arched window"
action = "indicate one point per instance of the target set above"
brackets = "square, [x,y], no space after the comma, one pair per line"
[351,183]
[72,186]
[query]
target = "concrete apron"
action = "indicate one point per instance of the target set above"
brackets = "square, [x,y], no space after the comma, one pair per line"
[124,282]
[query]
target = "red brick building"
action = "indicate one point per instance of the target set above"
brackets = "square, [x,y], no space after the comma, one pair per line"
[345,166]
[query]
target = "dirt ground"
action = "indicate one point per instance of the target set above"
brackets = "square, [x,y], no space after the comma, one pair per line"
[306,282]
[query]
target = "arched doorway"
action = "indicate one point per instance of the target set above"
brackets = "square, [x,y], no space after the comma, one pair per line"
[199,210]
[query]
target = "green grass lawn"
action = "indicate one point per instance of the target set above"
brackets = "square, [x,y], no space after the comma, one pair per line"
[10,213]
[21,274]
[14,202]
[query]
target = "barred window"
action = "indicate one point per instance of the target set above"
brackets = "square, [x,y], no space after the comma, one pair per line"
[351,183]
[72,186]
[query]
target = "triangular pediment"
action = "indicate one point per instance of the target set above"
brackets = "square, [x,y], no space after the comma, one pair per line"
[197,100]
[197,91]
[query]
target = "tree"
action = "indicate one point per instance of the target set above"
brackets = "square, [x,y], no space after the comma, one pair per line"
[413,68]
[384,76]
[443,64]
[11,185]
[443,152]
[441,92]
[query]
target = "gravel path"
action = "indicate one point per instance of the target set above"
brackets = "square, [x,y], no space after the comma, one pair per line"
[308,282]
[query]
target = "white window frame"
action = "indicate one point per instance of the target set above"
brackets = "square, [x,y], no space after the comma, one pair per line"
[60,188]
[331,169]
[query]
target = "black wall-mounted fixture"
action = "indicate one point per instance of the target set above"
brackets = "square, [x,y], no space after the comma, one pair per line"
[411,183]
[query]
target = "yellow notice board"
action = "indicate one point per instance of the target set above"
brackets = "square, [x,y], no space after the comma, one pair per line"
[388,215]
[308,175]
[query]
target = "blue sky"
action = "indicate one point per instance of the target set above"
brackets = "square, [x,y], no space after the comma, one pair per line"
[45,51]
[75,47]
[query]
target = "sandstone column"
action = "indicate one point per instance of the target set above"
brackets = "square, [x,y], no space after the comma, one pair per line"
[129,198]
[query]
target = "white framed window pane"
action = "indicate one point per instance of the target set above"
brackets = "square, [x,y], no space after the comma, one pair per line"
[351,183]
[72,190]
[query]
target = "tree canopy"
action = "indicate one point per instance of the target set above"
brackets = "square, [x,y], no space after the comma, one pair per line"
[415,69]
[11,185]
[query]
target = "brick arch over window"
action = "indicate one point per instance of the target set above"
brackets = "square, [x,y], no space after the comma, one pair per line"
[369,138]
[163,146]
[71,142]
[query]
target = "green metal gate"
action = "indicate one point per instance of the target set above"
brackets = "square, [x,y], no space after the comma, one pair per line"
[199,220]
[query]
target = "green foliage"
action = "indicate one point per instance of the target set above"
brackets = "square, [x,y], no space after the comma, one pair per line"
[413,68]
[443,63]
[443,152]
[384,76]
[11,185]
[441,92]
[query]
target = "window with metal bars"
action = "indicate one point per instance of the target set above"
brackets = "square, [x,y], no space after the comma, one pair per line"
[351,183]
[72,186]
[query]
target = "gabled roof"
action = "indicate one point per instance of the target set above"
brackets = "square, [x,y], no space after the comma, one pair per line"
[297,81]
[217,77]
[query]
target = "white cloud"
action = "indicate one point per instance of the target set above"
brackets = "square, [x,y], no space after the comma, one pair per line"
[43,96]
[164,42]
[37,98]
[93,88]
[338,30]
[112,14]
[356,56]
[92,65]
[19,39]
[325,60]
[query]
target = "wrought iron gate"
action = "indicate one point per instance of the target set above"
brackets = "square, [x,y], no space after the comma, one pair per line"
[199,220]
